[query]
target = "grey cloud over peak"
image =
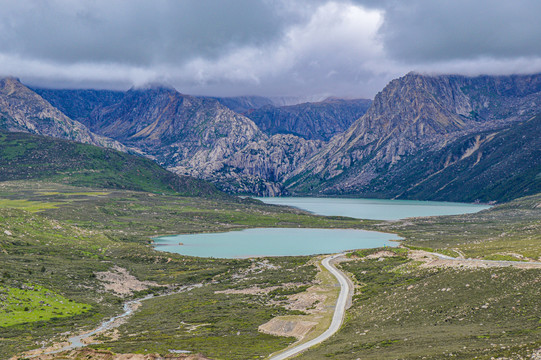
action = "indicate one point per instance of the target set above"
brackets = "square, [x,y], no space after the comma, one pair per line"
[425,30]
[346,48]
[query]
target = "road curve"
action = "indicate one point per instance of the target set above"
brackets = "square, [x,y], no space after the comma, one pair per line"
[339,312]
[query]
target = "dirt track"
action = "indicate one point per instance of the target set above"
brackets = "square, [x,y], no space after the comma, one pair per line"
[438,260]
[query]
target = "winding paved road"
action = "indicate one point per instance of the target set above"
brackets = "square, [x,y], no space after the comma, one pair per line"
[339,311]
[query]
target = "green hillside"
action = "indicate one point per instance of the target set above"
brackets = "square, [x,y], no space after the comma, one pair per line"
[503,165]
[24,157]
[495,165]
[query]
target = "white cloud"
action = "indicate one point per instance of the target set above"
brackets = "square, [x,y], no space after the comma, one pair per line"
[45,73]
[339,41]
[482,65]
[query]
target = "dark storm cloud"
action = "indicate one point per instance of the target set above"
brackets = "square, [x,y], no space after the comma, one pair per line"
[428,30]
[134,32]
[264,47]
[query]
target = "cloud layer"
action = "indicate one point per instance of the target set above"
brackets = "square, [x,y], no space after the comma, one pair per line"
[264,47]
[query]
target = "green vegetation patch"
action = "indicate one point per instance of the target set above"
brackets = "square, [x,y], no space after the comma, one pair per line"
[501,257]
[25,156]
[80,193]
[31,206]
[35,303]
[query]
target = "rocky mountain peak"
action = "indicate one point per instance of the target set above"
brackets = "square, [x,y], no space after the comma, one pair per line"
[9,85]
[23,110]
[13,88]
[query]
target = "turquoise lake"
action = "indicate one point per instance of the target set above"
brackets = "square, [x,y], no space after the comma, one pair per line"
[273,242]
[375,209]
[299,241]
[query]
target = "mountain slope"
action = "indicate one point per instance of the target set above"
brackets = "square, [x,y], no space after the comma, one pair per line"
[316,121]
[154,118]
[23,110]
[198,137]
[493,165]
[416,117]
[27,156]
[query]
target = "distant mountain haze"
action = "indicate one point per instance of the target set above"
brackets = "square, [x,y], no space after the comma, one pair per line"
[311,121]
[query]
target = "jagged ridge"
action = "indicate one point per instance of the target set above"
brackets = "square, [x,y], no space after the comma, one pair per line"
[412,117]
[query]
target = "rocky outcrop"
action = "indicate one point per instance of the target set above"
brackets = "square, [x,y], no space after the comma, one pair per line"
[312,121]
[23,110]
[259,167]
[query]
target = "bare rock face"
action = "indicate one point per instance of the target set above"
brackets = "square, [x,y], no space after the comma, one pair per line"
[23,110]
[202,138]
[243,104]
[415,115]
[261,166]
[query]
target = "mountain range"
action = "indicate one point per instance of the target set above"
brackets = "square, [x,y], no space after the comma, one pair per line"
[445,137]
[422,128]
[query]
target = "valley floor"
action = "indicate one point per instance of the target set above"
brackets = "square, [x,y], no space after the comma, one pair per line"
[65,251]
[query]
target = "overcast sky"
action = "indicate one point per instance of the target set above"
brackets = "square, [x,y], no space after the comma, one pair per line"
[283,47]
